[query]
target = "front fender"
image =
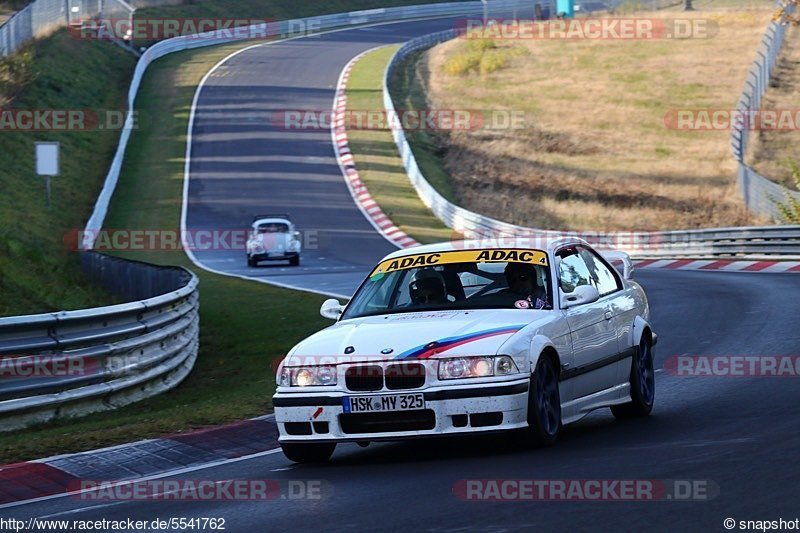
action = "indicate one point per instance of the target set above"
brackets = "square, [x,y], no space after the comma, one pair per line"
[640,325]
[540,343]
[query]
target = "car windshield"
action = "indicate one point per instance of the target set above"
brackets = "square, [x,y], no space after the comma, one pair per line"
[517,279]
[273,227]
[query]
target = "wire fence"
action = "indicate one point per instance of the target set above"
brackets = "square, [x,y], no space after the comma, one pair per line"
[761,195]
[43,17]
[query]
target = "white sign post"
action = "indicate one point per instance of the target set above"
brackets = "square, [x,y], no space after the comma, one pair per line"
[47,162]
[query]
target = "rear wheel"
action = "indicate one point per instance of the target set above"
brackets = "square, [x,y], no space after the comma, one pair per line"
[643,384]
[544,404]
[294,261]
[312,452]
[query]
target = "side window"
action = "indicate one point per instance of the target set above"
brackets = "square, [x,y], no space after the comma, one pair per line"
[604,279]
[572,272]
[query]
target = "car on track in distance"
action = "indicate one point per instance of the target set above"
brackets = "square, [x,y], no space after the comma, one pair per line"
[273,238]
[461,338]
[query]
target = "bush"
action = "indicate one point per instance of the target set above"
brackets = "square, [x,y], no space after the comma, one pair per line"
[790,211]
[16,72]
[492,62]
[481,56]
[481,45]
[463,63]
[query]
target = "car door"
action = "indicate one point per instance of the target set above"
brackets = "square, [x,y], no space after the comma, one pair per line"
[621,303]
[592,331]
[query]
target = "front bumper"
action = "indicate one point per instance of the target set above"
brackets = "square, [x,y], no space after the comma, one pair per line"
[320,417]
[265,256]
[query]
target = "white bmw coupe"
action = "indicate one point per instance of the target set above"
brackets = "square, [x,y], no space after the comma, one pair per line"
[463,338]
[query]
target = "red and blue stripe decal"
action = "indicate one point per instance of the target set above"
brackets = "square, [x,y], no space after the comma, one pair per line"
[436,347]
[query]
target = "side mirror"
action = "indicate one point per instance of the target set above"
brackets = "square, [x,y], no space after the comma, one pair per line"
[585,294]
[296,235]
[331,309]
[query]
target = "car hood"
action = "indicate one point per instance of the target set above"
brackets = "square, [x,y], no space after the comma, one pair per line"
[414,336]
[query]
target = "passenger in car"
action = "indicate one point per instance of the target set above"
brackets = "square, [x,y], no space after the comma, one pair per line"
[523,285]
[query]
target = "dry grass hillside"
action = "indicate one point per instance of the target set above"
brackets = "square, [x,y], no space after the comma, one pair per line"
[595,152]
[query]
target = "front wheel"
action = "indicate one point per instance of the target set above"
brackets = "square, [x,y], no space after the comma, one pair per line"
[294,261]
[544,404]
[312,452]
[643,384]
[251,262]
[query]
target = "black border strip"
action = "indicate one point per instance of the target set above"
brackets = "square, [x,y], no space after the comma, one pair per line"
[455,394]
[600,363]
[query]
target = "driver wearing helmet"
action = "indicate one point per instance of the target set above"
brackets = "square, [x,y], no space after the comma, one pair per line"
[523,283]
[428,288]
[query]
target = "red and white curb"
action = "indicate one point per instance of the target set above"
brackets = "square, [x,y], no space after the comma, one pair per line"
[60,476]
[344,156]
[724,265]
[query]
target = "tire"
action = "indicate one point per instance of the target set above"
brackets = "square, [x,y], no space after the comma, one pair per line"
[309,453]
[251,262]
[643,384]
[544,405]
[294,261]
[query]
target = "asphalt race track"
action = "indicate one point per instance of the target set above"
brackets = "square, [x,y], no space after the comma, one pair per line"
[245,163]
[739,435]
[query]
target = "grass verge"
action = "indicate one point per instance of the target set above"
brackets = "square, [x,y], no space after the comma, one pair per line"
[377,159]
[408,90]
[39,273]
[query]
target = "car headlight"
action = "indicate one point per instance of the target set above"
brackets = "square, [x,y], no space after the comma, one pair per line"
[476,367]
[308,376]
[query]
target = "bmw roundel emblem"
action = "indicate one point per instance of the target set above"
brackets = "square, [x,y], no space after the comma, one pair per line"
[387,351]
[349,350]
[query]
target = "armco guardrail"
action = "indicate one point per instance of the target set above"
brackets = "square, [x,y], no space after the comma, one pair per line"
[724,242]
[281,28]
[752,242]
[73,363]
[760,193]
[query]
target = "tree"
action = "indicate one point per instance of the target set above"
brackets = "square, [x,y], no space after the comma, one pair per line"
[787,13]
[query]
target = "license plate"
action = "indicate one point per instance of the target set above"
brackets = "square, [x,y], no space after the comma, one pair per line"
[394,402]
